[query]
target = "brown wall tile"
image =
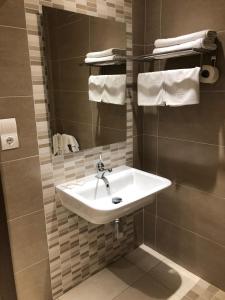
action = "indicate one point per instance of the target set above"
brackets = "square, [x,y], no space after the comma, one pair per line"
[64,46]
[150,120]
[138,151]
[12,13]
[138,21]
[105,136]
[73,106]
[153,26]
[186,16]
[194,210]
[149,229]
[149,153]
[116,32]
[21,108]
[138,228]
[85,137]
[197,165]
[201,123]
[109,115]
[72,75]
[28,240]
[14,63]
[195,253]
[34,282]
[190,146]
[22,187]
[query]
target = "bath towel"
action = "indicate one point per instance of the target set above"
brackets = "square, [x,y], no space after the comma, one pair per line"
[209,35]
[107,52]
[198,44]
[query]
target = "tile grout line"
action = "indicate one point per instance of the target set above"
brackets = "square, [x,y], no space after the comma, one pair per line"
[192,232]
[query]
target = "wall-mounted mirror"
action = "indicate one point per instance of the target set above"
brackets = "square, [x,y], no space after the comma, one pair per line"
[68,38]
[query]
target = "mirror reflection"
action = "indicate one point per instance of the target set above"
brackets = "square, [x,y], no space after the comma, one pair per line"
[86,80]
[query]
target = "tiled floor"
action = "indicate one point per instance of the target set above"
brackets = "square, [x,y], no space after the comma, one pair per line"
[143,275]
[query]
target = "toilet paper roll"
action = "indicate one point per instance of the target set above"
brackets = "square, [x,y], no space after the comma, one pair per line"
[209,74]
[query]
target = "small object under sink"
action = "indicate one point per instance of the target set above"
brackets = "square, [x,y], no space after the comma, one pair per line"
[93,202]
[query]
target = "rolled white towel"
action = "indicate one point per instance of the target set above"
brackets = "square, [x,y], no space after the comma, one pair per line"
[198,44]
[107,52]
[204,34]
[107,59]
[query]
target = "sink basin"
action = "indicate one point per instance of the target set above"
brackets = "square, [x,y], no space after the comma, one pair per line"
[89,198]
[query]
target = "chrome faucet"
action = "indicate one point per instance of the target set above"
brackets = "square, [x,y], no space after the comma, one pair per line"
[101,171]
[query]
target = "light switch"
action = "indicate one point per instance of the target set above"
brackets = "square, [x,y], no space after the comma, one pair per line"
[8,133]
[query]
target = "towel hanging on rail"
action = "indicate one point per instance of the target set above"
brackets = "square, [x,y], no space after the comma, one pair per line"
[108,89]
[173,87]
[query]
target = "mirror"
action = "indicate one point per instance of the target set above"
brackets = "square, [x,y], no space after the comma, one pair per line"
[68,37]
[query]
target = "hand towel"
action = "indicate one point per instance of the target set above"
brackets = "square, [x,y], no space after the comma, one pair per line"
[108,89]
[115,89]
[70,144]
[198,44]
[205,34]
[108,59]
[107,52]
[73,144]
[181,86]
[57,144]
[150,89]
[172,87]
[96,87]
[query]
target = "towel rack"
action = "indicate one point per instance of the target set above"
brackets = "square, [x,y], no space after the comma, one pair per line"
[178,53]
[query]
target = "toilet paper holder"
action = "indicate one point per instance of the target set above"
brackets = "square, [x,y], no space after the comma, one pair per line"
[209,73]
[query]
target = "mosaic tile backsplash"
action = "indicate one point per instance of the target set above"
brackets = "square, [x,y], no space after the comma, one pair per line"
[77,249]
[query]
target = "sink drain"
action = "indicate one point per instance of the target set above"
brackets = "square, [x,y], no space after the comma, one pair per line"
[116,200]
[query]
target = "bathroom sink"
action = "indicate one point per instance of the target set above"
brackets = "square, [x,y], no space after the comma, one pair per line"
[89,198]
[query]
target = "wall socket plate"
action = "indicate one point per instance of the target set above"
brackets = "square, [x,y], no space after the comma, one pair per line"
[8,134]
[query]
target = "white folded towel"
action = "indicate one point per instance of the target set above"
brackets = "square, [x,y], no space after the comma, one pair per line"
[198,44]
[107,52]
[182,86]
[204,34]
[70,144]
[57,144]
[150,89]
[96,87]
[173,87]
[108,89]
[106,59]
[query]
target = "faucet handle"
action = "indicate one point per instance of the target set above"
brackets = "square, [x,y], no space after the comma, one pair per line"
[100,165]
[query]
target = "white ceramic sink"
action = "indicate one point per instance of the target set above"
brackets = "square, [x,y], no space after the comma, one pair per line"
[89,198]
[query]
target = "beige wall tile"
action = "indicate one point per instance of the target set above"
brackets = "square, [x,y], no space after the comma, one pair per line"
[195,253]
[14,63]
[12,13]
[22,187]
[28,240]
[34,282]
